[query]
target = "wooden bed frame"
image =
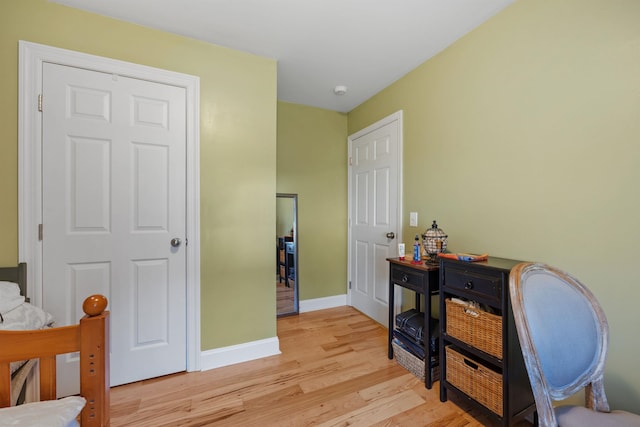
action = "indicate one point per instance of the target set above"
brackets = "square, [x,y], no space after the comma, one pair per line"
[89,337]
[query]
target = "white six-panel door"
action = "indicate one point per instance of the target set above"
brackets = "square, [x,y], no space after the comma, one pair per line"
[373,214]
[113,171]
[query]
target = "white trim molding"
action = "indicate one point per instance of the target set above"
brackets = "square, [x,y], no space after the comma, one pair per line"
[323,303]
[32,56]
[225,356]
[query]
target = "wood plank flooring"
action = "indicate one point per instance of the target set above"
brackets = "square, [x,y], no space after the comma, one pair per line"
[333,371]
[284,298]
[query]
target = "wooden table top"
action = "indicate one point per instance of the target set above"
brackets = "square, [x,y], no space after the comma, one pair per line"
[409,262]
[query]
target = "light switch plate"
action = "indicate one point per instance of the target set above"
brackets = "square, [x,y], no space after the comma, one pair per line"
[413,219]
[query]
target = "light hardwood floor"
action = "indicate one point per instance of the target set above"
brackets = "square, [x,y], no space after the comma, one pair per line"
[284,299]
[333,371]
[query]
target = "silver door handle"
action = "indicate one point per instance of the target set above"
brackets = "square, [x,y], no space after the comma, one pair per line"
[175,242]
[391,235]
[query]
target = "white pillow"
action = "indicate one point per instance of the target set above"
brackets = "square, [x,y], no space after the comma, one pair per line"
[10,296]
[51,413]
[25,317]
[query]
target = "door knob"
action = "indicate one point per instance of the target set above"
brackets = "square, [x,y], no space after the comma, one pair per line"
[175,242]
[391,235]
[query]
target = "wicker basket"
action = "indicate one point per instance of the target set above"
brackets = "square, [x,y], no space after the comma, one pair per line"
[477,328]
[412,363]
[474,379]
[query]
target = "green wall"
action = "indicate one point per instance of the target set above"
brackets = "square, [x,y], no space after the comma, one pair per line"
[312,162]
[238,105]
[523,140]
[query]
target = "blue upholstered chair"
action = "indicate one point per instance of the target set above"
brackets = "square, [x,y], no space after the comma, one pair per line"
[564,336]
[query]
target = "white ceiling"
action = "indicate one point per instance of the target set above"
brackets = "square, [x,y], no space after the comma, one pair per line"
[362,44]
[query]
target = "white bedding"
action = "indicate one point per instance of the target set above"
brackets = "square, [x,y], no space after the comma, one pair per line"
[51,413]
[25,316]
[10,296]
[15,314]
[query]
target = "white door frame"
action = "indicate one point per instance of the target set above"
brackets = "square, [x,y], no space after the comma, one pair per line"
[31,58]
[397,116]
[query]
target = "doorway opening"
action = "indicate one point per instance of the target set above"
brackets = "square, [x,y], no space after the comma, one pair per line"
[287,267]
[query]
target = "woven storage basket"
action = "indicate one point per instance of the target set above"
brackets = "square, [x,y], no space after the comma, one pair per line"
[412,363]
[474,379]
[477,328]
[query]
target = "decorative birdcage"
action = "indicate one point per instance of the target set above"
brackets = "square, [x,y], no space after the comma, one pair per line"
[434,241]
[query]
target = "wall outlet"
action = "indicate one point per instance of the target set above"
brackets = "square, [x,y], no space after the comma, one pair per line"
[413,219]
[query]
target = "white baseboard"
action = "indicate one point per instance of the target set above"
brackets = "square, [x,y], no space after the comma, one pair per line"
[245,352]
[322,303]
[231,355]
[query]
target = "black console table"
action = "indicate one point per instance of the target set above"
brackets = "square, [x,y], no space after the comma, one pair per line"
[423,280]
[508,396]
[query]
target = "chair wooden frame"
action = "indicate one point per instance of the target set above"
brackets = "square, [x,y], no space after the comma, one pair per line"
[591,379]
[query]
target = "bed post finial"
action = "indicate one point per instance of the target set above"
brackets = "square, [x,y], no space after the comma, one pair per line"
[94,305]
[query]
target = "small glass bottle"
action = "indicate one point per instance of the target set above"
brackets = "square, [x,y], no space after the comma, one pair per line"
[416,249]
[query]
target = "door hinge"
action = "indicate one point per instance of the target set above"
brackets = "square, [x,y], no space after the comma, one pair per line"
[350,161]
[349,284]
[40,102]
[40,232]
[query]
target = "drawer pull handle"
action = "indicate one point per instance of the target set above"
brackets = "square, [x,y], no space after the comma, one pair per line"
[405,279]
[468,285]
[470,364]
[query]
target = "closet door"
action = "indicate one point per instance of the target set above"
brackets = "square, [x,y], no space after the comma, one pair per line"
[114,209]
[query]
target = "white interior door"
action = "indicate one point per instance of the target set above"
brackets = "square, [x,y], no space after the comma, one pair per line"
[113,179]
[374,212]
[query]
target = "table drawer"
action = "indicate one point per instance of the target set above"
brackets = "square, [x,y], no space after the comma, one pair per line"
[475,283]
[408,278]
